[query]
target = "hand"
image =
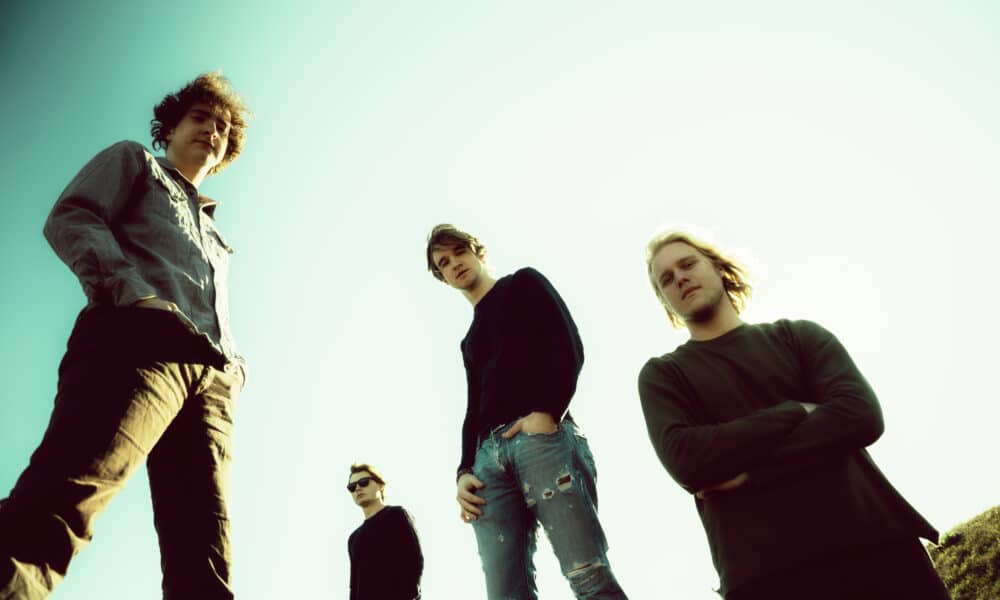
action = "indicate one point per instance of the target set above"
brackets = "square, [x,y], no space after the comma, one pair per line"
[725,486]
[809,406]
[156,303]
[467,498]
[536,422]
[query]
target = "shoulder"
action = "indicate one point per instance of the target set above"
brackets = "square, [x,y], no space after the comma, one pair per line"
[531,281]
[802,328]
[529,276]
[657,368]
[122,154]
[127,149]
[398,513]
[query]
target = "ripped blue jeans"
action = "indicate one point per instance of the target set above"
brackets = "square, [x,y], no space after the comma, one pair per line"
[547,479]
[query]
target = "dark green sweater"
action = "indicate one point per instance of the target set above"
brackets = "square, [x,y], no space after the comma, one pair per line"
[721,407]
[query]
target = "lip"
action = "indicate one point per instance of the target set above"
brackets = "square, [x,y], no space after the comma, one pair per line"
[205,144]
[462,274]
[689,291]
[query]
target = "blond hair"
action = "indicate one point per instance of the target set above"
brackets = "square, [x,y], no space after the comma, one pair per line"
[734,275]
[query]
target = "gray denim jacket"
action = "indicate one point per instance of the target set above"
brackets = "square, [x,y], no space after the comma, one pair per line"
[131,227]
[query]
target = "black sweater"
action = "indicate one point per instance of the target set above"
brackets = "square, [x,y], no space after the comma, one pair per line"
[386,562]
[522,354]
[718,408]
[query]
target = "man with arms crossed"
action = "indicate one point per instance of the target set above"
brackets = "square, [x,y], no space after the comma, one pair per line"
[151,371]
[386,562]
[766,425]
[524,460]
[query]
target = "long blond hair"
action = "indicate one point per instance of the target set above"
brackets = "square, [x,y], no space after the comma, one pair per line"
[734,275]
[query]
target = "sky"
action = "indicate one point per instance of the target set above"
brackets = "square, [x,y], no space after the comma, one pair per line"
[847,151]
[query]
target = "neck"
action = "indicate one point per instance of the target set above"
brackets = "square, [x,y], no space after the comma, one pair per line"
[484,283]
[372,508]
[193,174]
[722,321]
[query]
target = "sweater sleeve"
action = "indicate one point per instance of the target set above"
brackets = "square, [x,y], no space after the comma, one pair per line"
[547,342]
[79,226]
[469,424]
[408,560]
[847,417]
[700,456]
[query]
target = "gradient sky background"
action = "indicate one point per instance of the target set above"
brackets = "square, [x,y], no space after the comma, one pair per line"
[847,150]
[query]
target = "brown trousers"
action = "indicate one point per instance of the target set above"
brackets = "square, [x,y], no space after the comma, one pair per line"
[112,412]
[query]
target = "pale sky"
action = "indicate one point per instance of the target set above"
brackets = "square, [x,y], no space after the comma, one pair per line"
[847,150]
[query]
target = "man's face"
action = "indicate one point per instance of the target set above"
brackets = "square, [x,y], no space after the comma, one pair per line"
[365,494]
[688,281]
[460,266]
[200,138]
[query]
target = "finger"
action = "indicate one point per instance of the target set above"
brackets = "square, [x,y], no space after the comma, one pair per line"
[470,508]
[514,429]
[701,494]
[471,498]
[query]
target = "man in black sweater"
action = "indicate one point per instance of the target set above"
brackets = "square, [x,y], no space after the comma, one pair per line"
[386,562]
[766,426]
[524,461]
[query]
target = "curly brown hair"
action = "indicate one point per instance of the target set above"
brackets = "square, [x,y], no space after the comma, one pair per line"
[446,235]
[734,275]
[213,89]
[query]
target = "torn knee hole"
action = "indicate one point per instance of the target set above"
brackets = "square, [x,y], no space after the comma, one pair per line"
[579,569]
[564,482]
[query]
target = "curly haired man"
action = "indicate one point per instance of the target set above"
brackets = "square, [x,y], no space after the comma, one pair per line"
[151,371]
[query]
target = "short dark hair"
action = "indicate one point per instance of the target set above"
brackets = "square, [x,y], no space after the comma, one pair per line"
[213,89]
[446,235]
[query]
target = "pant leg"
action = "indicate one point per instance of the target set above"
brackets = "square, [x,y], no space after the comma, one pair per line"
[108,415]
[557,474]
[189,483]
[506,531]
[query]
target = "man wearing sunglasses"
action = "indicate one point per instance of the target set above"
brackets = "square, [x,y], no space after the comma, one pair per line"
[386,562]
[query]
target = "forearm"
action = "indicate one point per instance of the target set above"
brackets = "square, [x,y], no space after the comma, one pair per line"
[701,456]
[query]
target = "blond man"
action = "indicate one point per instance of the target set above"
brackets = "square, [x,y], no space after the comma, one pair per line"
[766,426]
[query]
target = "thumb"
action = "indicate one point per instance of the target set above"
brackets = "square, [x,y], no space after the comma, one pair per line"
[514,429]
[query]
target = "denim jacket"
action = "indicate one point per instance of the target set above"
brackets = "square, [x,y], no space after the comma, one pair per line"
[131,227]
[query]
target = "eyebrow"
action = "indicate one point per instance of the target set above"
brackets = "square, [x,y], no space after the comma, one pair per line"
[676,262]
[210,115]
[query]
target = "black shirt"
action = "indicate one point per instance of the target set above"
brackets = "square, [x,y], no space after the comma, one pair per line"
[721,407]
[386,562]
[522,354]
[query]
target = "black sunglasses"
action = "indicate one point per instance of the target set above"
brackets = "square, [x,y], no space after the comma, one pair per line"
[363,482]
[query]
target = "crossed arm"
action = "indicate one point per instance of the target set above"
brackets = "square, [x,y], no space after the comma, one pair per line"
[838,414]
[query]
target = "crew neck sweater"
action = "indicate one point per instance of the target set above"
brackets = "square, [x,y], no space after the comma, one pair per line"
[731,405]
[522,354]
[386,561]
